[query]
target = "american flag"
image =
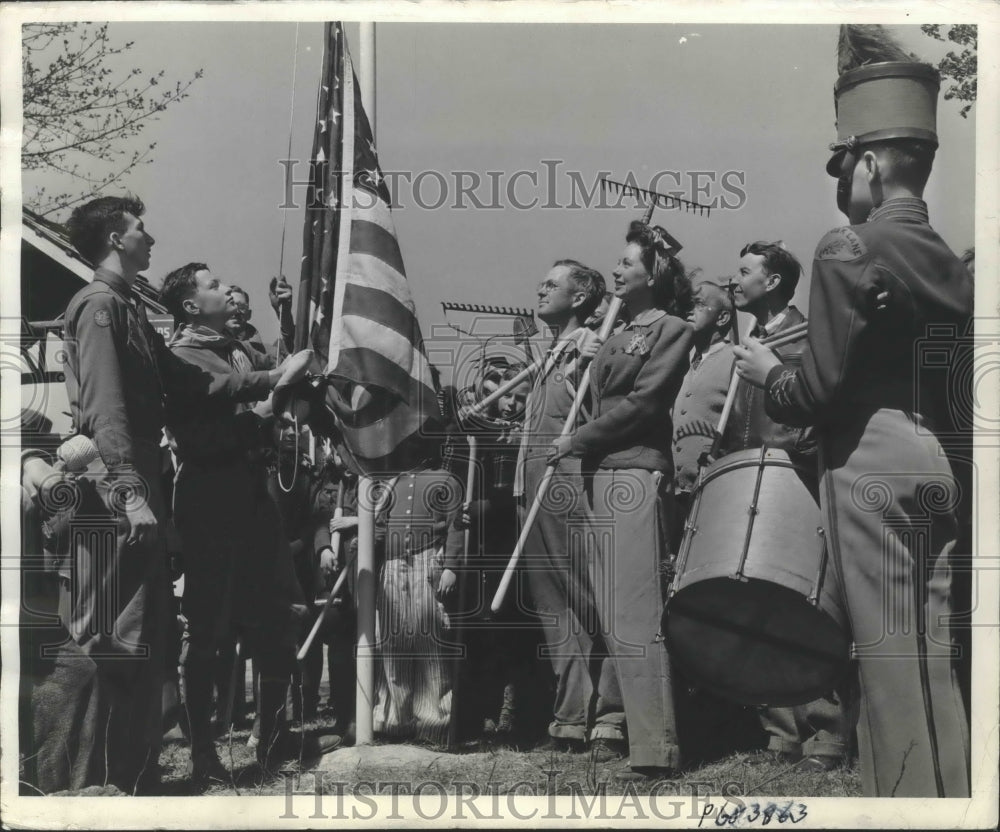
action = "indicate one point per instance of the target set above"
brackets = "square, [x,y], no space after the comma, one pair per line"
[355,301]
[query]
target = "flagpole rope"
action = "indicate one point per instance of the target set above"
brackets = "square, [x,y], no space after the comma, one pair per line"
[295,462]
[288,154]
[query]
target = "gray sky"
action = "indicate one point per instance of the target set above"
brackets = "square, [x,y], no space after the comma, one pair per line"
[754,100]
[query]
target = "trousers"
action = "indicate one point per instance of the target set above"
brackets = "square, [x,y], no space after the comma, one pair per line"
[889,501]
[626,560]
[555,564]
[819,728]
[235,556]
[115,606]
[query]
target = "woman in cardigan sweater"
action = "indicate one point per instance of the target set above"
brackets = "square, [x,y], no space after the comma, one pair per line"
[625,446]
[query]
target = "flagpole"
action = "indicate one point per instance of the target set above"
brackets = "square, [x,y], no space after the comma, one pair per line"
[365,698]
[364,716]
[367,77]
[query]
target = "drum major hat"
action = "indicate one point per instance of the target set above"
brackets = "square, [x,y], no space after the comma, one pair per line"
[889,100]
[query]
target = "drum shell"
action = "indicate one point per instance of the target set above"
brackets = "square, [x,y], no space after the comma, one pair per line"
[772,628]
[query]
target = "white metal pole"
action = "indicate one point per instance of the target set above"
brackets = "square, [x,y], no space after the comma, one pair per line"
[365,732]
[366,658]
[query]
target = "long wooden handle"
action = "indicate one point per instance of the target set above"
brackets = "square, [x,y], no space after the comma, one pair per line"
[793,333]
[543,486]
[338,512]
[727,408]
[529,521]
[341,580]
[505,388]
[470,482]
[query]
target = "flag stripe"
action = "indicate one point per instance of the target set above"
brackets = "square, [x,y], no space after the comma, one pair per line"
[382,407]
[374,240]
[361,317]
[383,427]
[381,308]
[365,334]
[364,270]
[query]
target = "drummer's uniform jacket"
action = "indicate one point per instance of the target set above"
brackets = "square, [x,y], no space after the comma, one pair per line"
[854,362]
[749,424]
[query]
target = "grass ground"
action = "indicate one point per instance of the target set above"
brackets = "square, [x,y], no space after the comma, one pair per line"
[720,740]
[500,768]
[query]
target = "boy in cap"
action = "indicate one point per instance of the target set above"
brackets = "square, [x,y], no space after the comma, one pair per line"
[879,416]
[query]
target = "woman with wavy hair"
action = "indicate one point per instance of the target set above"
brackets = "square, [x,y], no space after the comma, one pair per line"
[627,464]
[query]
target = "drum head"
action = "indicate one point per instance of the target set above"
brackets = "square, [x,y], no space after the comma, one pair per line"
[754,642]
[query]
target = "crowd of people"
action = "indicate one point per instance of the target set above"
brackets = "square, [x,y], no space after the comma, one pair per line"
[181,449]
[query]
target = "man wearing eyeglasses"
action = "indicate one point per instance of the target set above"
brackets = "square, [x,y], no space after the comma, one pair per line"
[239,326]
[588,695]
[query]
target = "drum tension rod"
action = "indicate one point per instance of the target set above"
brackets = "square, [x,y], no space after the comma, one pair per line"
[752,511]
[690,530]
[818,582]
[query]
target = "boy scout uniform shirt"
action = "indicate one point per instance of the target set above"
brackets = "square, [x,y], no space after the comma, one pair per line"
[634,379]
[117,399]
[206,416]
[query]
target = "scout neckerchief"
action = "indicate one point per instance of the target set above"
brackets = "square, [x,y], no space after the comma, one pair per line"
[240,362]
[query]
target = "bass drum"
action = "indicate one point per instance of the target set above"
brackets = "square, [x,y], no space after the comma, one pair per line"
[755,612]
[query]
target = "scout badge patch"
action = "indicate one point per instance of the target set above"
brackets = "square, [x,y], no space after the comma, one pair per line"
[638,345]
